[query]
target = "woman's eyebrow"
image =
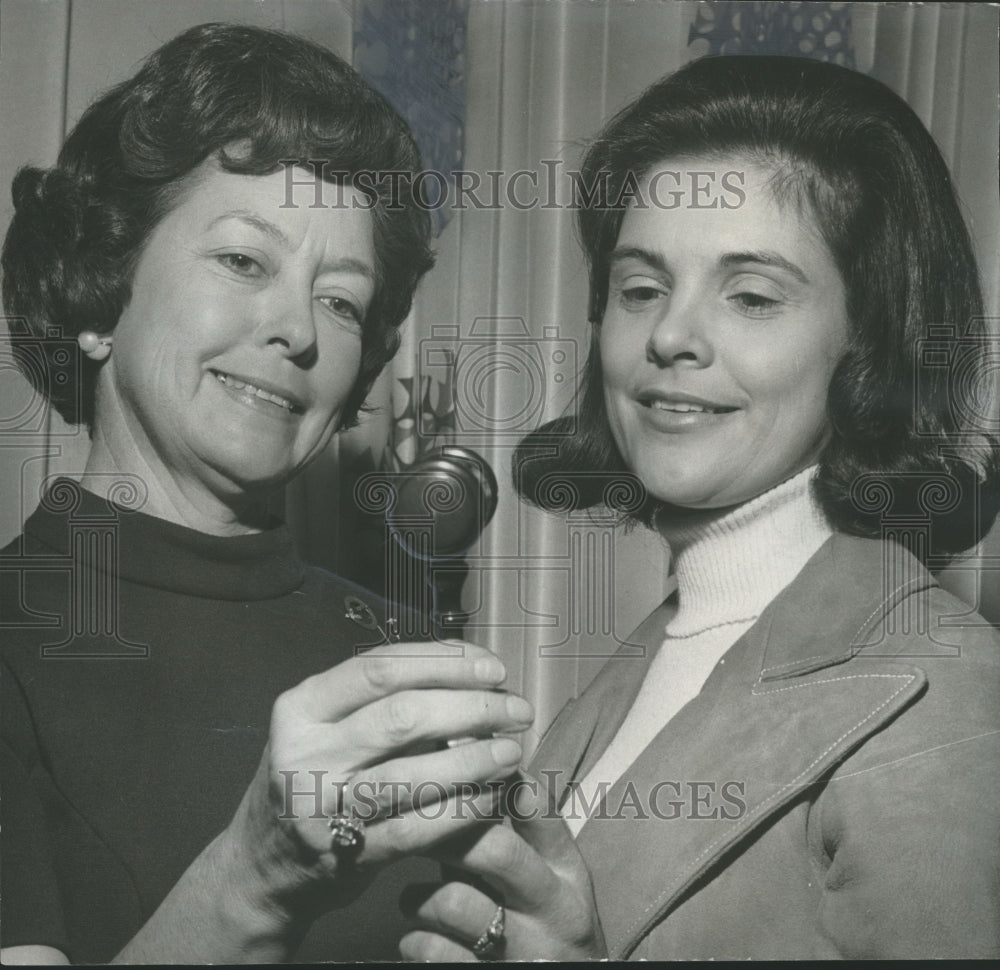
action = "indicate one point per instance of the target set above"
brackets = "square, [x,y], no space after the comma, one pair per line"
[765,258]
[349,264]
[254,220]
[345,264]
[652,259]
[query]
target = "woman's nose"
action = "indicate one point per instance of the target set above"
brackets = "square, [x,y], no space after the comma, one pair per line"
[679,337]
[288,325]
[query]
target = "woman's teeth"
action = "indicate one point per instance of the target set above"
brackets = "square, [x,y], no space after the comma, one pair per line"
[254,390]
[683,408]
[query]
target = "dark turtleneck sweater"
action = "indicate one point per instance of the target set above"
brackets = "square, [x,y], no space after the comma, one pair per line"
[140,663]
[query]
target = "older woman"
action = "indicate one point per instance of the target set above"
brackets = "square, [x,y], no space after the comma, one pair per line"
[173,284]
[805,762]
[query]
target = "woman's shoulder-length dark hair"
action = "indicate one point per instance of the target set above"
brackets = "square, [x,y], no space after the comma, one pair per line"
[913,417]
[256,99]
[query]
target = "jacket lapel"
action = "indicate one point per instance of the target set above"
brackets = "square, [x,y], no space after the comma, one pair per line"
[585,727]
[787,702]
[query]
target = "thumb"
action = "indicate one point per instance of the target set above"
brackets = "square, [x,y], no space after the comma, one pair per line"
[531,807]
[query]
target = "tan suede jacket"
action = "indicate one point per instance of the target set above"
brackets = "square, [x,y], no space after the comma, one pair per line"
[832,791]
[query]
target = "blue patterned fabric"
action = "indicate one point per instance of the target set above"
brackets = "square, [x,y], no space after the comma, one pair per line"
[414,55]
[819,30]
[423,420]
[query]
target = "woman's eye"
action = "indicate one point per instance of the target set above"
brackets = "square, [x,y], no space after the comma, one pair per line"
[241,264]
[635,297]
[343,308]
[754,304]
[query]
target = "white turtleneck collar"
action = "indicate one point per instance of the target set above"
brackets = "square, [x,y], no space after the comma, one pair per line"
[730,566]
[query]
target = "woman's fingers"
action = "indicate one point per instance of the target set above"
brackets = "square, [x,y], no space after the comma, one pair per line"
[509,863]
[455,909]
[536,866]
[407,718]
[535,817]
[440,815]
[386,670]
[549,910]
[420,782]
[423,947]
[408,805]
[323,781]
[392,741]
[417,832]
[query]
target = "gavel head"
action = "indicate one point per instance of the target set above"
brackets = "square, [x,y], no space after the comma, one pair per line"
[443,503]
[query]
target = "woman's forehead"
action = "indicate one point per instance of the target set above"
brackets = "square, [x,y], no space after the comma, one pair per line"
[730,195]
[255,209]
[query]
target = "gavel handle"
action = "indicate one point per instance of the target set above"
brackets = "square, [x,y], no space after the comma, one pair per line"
[446,585]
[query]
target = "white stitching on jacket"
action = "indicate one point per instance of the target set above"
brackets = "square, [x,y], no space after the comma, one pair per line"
[751,815]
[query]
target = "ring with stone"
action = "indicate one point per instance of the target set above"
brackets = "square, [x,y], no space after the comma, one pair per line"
[347,837]
[492,937]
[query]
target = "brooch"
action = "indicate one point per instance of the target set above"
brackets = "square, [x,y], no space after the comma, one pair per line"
[358,611]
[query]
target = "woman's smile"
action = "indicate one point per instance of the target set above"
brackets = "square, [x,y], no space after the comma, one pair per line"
[671,411]
[256,393]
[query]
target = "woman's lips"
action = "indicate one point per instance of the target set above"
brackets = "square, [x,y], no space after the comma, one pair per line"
[681,403]
[250,389]
[684,408]
[681,412]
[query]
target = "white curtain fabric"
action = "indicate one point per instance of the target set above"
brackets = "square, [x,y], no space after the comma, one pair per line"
[551,596]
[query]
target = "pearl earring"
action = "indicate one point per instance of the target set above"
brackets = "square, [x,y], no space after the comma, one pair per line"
[95,347]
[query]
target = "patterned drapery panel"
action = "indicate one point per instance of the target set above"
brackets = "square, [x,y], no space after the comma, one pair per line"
[819,30]
[424,418]
[414,55]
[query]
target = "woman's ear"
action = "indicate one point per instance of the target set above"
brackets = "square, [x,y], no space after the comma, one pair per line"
[96,347]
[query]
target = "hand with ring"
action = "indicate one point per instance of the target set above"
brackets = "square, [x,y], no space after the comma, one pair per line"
[534,866]
[491,942]
[355,773]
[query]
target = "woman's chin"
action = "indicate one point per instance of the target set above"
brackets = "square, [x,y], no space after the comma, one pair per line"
[249,478]
[695,495]
[708,489]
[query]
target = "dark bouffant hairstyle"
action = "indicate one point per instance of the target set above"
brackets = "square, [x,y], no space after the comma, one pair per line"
[254,98]
[912,431]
